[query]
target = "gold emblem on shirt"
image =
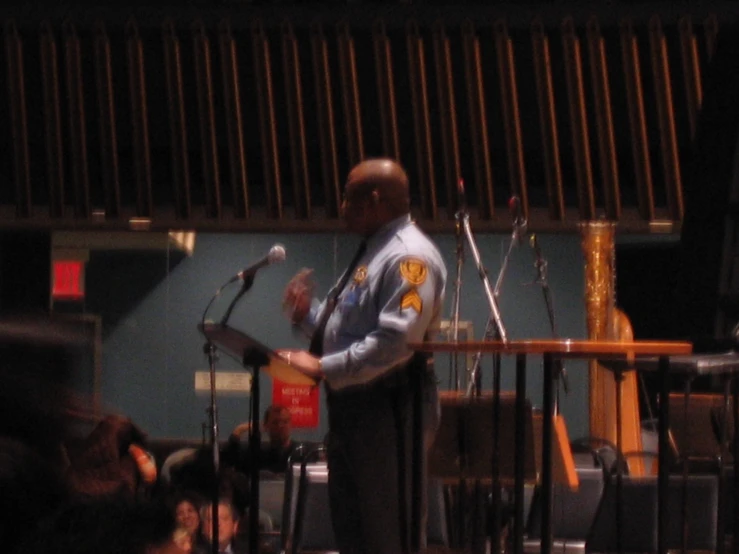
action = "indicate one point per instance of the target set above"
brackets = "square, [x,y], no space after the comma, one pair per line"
[360,274]
[411,299]
[413,270]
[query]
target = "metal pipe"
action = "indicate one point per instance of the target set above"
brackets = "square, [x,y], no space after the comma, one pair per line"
[511,115]
[18,120]
[386,90]
[604,120]
[637,120]
[208,148]
[52,121]
[447,115]
[421,121]
[234,123]
[350,94]
[666,118]
[177,123]
[474,80]
[578,121]
[326,121]
[272,175]
[107,122]
[691,71]
[77,120]
[548,120]
[296,123]
[140,122]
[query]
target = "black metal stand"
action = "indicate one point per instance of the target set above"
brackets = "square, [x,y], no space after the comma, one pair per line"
[255,359]
[474,386]
[735,410]
[547,482]
[210,350]
[519,455]
[542,279]
[663,471]
[618,377]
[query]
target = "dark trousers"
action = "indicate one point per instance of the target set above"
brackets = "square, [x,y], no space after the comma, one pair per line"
[370,468]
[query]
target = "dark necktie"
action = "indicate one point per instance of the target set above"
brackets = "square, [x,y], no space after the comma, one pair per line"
[316,341]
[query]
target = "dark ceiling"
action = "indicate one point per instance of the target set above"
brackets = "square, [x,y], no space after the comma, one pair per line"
[237,116]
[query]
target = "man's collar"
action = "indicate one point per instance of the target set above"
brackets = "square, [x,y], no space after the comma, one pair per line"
[388,229]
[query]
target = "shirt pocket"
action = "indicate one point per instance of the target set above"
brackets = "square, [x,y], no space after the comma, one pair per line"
[356,311]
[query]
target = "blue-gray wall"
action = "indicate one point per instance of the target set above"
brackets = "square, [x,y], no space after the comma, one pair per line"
[152,347]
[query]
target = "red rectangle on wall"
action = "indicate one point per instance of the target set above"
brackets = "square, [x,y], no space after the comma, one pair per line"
[68,280]
[302,401]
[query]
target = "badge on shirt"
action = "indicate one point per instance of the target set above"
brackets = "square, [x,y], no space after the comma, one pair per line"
[360,274]
[411,299]
[413,270]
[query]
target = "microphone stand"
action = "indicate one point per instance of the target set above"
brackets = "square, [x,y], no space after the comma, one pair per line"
[475,384]
[255,360]
[497,331]
[494,329]
[492,300]
[541,266]
[248,282]
[454,330]
[210,350]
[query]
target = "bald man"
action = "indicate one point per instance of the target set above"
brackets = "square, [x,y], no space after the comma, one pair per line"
[391,294]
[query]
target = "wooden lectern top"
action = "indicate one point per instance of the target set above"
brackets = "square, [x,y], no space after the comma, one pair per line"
[238,344]
[562,348]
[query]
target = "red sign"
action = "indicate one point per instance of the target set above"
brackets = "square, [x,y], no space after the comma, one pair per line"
[301,400]
[68,280]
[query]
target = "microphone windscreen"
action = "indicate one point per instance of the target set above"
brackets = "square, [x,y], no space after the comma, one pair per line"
[276,254]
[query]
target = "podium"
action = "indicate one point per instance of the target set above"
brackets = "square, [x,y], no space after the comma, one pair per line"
[247,350]
[552,350]
[253,354]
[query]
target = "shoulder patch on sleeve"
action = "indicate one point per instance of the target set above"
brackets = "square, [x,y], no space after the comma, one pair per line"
[413,270]
[411,299]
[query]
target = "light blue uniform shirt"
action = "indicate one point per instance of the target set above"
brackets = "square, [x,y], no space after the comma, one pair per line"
[395,296]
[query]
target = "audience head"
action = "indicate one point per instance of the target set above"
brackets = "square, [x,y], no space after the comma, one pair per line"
[277,423]
[228,523]
[187,512]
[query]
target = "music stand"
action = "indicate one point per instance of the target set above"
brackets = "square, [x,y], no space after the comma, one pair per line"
[574,349]
[463,447]
[252,354]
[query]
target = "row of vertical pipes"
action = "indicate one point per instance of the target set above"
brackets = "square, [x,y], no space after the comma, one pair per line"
[548,121]
[67,148]
[425,161]
[326,121]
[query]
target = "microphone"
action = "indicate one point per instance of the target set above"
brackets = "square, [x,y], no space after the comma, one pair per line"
[519,221]
[275,255]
